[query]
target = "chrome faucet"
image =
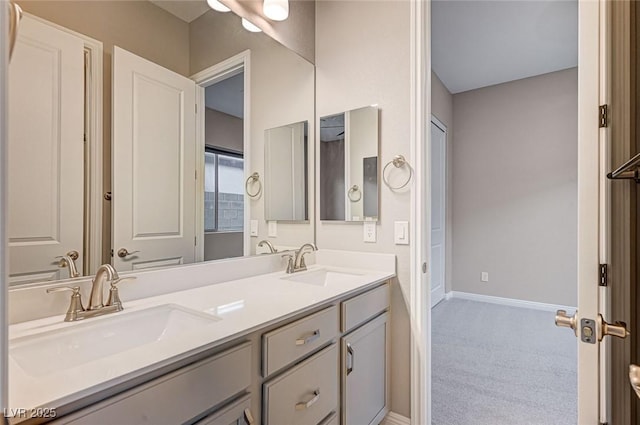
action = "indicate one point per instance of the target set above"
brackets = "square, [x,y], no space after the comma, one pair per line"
[68,261]
[269,245]
[76,310]
[297,264]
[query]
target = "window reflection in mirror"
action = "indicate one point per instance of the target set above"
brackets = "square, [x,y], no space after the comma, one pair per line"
[349,166]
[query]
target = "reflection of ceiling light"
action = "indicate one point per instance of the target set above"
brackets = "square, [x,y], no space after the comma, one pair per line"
[277,10]
[216,5]
[249,26]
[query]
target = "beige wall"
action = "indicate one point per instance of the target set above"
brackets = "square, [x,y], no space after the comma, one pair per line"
[515,189]
[282,92]
[360,62]
[137,26]
[223,130]
[442,109]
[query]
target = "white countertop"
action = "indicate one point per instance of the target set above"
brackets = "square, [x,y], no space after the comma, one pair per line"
[244,305]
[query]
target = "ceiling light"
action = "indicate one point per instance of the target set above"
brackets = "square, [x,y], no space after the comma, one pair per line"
[216,5]
[277,10]
[249,26]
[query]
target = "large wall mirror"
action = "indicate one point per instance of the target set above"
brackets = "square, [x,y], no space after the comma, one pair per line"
[153,165]
[349,166]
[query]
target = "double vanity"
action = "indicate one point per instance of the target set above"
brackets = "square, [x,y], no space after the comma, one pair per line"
[277,348]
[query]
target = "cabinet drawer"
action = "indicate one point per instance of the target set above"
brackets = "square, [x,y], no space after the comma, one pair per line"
[176,397]
[306,394]
[287,344]
[363,307]
[232,414]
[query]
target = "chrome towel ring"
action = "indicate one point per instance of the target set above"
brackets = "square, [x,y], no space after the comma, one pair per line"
[252,180]
[354,194]
[398,161]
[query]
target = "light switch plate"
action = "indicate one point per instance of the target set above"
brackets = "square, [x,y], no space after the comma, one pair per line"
[369,231]
[401,233]
[484,276]
[273,229]
[253,231]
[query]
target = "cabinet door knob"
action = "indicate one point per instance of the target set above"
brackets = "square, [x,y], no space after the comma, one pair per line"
[303,405]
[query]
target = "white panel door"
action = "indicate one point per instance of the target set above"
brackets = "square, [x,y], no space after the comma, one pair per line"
[46,151]
[438,152]
[153,164]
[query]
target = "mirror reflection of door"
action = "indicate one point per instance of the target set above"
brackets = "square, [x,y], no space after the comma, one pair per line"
[46,162]
[224,169]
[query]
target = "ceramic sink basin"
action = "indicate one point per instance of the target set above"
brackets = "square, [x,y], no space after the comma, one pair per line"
[97,338]
[321,277]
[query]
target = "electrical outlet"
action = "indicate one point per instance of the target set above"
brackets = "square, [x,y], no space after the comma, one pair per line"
[253,228]
[484,276]
[273,229]
[369,231]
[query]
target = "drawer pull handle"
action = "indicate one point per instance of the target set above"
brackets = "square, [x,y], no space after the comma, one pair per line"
[351,359]
[309,338]
[248,417]
[304,405]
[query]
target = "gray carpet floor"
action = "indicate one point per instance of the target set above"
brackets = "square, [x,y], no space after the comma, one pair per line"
[498,365]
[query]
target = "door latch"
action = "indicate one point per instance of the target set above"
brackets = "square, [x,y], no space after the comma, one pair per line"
[592,329]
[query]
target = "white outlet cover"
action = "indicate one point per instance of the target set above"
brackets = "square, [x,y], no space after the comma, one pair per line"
[401,233]
[484,276]
[253,228]
[369,232]
[273,229]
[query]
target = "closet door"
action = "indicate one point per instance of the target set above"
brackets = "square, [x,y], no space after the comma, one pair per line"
[46,151]
[153,164]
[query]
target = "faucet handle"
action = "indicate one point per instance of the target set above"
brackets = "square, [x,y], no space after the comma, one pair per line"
[114,297]
[75,306]
[290,262]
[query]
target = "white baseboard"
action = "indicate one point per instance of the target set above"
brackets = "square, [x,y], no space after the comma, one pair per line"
[507,301]
[395,419]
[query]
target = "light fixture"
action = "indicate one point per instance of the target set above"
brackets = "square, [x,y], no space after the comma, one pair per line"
[277,10]
[217,6]
[249,26]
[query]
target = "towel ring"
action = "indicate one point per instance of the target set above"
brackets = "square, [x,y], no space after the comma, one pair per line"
[253,178]
[398,161]
[355,190]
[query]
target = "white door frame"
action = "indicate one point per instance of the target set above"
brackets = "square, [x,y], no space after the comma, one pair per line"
[203,79]
[588,201]
[4,261]
[445,225]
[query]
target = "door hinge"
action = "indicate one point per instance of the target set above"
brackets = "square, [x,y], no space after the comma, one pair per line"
[604,116]
[195,241]
[196,105]
[604,275]
[195,174]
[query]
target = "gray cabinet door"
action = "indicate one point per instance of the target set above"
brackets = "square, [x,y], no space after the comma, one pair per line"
[364,376]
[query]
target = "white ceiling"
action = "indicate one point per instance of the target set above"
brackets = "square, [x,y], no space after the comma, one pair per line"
[481,43]
[227,96]
[187,10]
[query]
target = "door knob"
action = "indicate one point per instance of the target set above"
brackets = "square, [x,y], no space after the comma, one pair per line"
[122,252]
[634,378]
[617,329]
[563,320]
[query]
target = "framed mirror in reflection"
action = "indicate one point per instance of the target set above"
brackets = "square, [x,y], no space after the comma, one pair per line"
[349,166]
[132,134]
[285,154]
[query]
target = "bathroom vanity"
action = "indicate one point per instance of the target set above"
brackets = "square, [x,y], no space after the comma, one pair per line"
[310,347]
